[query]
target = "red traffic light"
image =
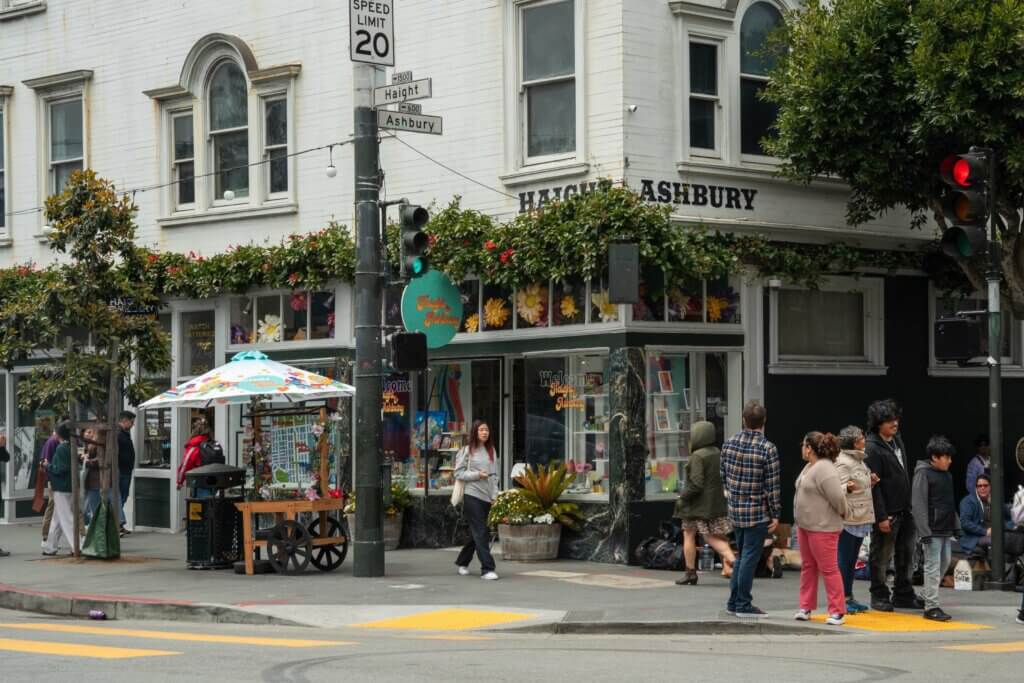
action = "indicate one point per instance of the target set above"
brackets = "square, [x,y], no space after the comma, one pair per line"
[963,170]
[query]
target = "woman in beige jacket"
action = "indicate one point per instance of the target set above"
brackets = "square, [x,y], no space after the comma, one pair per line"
[819,507]
[855,476]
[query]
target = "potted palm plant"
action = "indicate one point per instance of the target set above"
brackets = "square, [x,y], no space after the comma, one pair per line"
[400,500]
[530,519]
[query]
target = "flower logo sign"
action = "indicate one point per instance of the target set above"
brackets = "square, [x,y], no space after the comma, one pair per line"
[431,304]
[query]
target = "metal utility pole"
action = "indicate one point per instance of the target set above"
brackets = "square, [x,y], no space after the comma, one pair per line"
[369,548]
[995,380]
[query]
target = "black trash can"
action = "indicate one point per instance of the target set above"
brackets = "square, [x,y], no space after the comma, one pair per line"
[213,523]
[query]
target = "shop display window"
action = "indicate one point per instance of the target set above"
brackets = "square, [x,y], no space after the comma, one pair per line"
[566,420]
[670,411]
[686,301]
[723,301]
[497,308]
[601,310]
[31,430]
[699,301]
[568,302]
[532,305]
[273,318]
[469,292]
[197,347]
[447,399]
[651,306]
[156,434]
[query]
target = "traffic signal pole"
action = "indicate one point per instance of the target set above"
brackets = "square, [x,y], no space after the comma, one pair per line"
[995,380]
[368,560]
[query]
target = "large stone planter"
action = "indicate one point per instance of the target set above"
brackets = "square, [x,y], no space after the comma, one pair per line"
[392,530]
[529,542]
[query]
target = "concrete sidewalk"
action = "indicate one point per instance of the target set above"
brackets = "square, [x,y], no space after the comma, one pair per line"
[422,591]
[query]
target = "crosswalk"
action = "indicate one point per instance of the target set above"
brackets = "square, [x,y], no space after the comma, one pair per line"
[67,646]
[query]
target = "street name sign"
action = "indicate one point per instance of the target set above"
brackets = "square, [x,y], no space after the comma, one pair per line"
[371,37]
[402,92]
[413,123]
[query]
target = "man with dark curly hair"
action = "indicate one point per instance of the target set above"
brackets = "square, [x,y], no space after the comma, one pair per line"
[894,532]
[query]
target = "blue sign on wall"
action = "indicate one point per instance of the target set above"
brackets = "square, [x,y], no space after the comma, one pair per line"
[431,304]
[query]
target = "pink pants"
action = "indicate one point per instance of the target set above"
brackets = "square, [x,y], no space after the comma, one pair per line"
[818,557]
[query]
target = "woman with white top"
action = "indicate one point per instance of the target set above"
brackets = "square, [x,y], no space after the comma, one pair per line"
[474,465]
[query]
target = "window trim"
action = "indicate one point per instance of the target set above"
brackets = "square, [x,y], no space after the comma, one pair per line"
[6,217]
[1012,366]
[51,163]
[873,362]
[718,42]
[210,136]
[737,130]
[172,115]
[10,10]
[520,168]
[265,101]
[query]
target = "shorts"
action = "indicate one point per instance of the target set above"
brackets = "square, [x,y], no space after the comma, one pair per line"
[719,526]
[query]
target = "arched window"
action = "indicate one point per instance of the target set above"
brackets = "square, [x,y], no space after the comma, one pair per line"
[756,116]
[229,130]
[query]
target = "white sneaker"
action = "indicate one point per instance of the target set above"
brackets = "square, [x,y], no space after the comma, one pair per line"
[803,615]
[490,576]
[835,620]
[463,571]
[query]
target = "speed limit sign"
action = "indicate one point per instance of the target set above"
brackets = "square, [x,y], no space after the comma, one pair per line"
[372,31]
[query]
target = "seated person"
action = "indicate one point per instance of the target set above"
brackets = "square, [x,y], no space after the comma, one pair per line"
[976,518]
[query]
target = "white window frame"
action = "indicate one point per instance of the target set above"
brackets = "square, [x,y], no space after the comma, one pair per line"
[175,173]
[718,42]
[6,216]
[519,167]
[1012,365]
[209,138]
[192,91]
[51,90]
[51,163]
[873,363]
[266,148]
[292,344]
[737,128]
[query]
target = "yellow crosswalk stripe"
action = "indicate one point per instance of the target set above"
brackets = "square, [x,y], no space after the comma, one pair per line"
[41,647]
[991,648]
[895,622]
[177,635]
[456,619]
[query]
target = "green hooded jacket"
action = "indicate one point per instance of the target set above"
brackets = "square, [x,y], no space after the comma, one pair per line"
[702,496]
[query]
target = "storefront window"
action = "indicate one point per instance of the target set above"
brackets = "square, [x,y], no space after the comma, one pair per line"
[686,302]
[497,313]
[295,316]
[449,397]
[651,306]
[469,292]
[532,305]
[197,348]
[566,406]
[723,301]
[31,430]
[156,424]
[699,301]
[568,302]
[670,412]
[601,310]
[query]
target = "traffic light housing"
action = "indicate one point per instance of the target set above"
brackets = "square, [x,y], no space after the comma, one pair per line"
[413,241]
[965,204]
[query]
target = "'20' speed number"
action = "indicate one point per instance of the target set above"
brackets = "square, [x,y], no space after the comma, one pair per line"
[372,36]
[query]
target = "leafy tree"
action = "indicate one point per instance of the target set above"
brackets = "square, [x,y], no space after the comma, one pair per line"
[93,233]
[878,92]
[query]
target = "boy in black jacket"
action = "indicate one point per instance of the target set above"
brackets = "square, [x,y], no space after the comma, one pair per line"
[936,519]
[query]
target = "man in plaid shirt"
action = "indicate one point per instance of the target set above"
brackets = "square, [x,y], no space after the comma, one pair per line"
[750,475]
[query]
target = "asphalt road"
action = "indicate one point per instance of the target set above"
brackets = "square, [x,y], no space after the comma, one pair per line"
[37,649]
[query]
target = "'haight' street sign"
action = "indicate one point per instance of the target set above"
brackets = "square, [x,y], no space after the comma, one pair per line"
[402,92]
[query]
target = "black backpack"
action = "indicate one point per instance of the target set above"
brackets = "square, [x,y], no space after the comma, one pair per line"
[211,453]
[656,553]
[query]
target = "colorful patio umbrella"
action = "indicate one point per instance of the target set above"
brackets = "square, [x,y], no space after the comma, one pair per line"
[250,375]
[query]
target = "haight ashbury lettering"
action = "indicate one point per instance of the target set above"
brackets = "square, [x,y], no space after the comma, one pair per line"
[657,191]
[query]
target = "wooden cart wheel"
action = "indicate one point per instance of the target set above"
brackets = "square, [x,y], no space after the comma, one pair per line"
[327,558]
[289,547]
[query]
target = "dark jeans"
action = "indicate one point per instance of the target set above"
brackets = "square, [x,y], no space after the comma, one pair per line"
[901,541]
[124,483]
[849,549]
[476,511]
[749,543]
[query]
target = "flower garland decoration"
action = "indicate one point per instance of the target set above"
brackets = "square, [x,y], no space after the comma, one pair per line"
[567,307]
[270,329]
[473,323]
[531,303]
[609,312]
[496,313]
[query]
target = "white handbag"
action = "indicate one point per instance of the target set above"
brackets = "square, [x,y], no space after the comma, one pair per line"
[459,490]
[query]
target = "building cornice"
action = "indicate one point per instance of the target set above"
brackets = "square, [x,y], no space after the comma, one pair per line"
[6,91]
[169,92]
[273,73]
[58,80]
[726,10]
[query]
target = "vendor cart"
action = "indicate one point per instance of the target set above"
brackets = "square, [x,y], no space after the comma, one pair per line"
[290,545]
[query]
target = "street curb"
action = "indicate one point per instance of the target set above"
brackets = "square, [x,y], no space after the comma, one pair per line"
[692,628]
[71,605]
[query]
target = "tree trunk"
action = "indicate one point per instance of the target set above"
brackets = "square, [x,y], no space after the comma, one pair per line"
[113,408]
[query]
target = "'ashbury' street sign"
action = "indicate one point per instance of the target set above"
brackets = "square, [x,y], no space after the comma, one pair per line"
[414,123]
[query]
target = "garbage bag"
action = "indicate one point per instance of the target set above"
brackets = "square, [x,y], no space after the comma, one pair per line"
[103,540]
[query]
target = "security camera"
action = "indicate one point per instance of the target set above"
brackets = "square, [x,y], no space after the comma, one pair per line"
[631,108]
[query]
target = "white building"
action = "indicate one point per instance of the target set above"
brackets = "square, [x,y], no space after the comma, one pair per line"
[541,99]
